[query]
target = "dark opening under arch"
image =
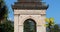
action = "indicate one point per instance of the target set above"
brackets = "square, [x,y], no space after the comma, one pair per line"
[29,25]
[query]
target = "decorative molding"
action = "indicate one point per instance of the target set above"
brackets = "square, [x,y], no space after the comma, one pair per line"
[29,12]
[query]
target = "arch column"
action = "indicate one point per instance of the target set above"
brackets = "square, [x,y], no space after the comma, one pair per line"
[16,17]
[20,28]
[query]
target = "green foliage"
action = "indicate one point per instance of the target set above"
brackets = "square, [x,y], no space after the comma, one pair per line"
[29,26]
[51,26]
[49,23]
[3,11]
[2,3]
[7,26]
[56,28]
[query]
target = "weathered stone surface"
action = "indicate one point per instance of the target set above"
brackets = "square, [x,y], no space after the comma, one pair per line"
[29,9]
[22,15]
[30,12]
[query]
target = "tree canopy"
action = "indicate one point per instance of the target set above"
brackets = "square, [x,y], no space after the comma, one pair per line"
[49,23]
[3,11]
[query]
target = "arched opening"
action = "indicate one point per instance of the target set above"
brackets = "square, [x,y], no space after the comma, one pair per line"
[29,25]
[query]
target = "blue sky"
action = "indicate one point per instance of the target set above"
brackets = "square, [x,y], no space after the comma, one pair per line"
[52,11]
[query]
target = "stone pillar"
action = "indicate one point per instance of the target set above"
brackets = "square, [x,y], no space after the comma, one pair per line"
[16,23]
[20,28]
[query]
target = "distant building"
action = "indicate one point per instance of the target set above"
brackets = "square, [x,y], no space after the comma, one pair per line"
[29,16]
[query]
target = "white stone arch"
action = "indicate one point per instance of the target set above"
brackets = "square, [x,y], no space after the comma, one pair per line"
[37,18]
[31,19]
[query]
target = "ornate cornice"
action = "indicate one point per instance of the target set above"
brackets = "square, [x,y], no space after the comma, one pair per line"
[32,5]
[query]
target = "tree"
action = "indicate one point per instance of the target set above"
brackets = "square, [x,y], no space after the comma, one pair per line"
[49,23]
[1,3]
[56,28]
[3,11]
[7,26]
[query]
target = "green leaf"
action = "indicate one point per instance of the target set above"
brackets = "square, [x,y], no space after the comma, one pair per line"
[51,19]
[47,20]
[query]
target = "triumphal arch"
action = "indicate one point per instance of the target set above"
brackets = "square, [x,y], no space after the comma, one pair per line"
[29,16]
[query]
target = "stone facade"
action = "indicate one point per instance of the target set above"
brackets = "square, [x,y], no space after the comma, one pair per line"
[21,15]
[29,9]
